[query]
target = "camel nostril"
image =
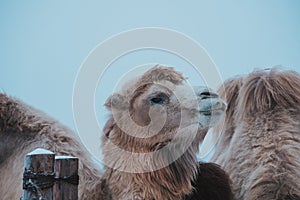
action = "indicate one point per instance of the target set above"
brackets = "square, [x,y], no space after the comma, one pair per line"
[207,94]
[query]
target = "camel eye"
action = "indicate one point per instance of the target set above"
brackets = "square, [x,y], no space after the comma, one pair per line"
[160,99]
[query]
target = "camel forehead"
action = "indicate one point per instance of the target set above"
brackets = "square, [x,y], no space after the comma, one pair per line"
[135,83]
[181,91]
[165,85]
[155,87]
[159,73]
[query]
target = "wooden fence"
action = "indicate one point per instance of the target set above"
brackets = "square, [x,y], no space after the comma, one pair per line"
[50,177]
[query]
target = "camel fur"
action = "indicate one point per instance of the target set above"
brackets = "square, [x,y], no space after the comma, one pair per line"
[172,173]
[171,181]
[260,142]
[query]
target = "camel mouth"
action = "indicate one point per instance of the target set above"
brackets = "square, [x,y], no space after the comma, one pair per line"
[206,112]
[217,111]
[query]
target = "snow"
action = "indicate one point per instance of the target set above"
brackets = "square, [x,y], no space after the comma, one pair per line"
[39,151]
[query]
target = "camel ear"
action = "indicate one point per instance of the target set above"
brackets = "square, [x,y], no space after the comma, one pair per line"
[116,101]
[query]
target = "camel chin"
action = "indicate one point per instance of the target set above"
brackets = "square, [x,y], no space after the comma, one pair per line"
[211,112]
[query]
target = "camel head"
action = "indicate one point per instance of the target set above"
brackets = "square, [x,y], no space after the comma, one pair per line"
[151,110]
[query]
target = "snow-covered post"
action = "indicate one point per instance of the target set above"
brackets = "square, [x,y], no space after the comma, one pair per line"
[38,178]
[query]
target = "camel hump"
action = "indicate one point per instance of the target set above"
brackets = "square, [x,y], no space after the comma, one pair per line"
[7,110]
[263,90]
[18,117]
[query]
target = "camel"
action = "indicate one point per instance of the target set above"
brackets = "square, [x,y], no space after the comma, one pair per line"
[22,130]
[157,117]
[259,146]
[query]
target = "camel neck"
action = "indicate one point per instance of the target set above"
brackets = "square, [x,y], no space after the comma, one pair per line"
[171,182]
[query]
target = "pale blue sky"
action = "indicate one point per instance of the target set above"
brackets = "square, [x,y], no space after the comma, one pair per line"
[43,43]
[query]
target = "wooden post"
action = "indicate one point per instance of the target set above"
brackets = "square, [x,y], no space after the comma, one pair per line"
[38,178]
[66,178]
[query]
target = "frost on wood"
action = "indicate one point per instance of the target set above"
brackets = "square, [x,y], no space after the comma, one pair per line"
[39,151]
[38,176]
[47,176]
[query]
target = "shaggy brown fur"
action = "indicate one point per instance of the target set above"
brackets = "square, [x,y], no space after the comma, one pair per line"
[23,129]
[173,181]
[260,143]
